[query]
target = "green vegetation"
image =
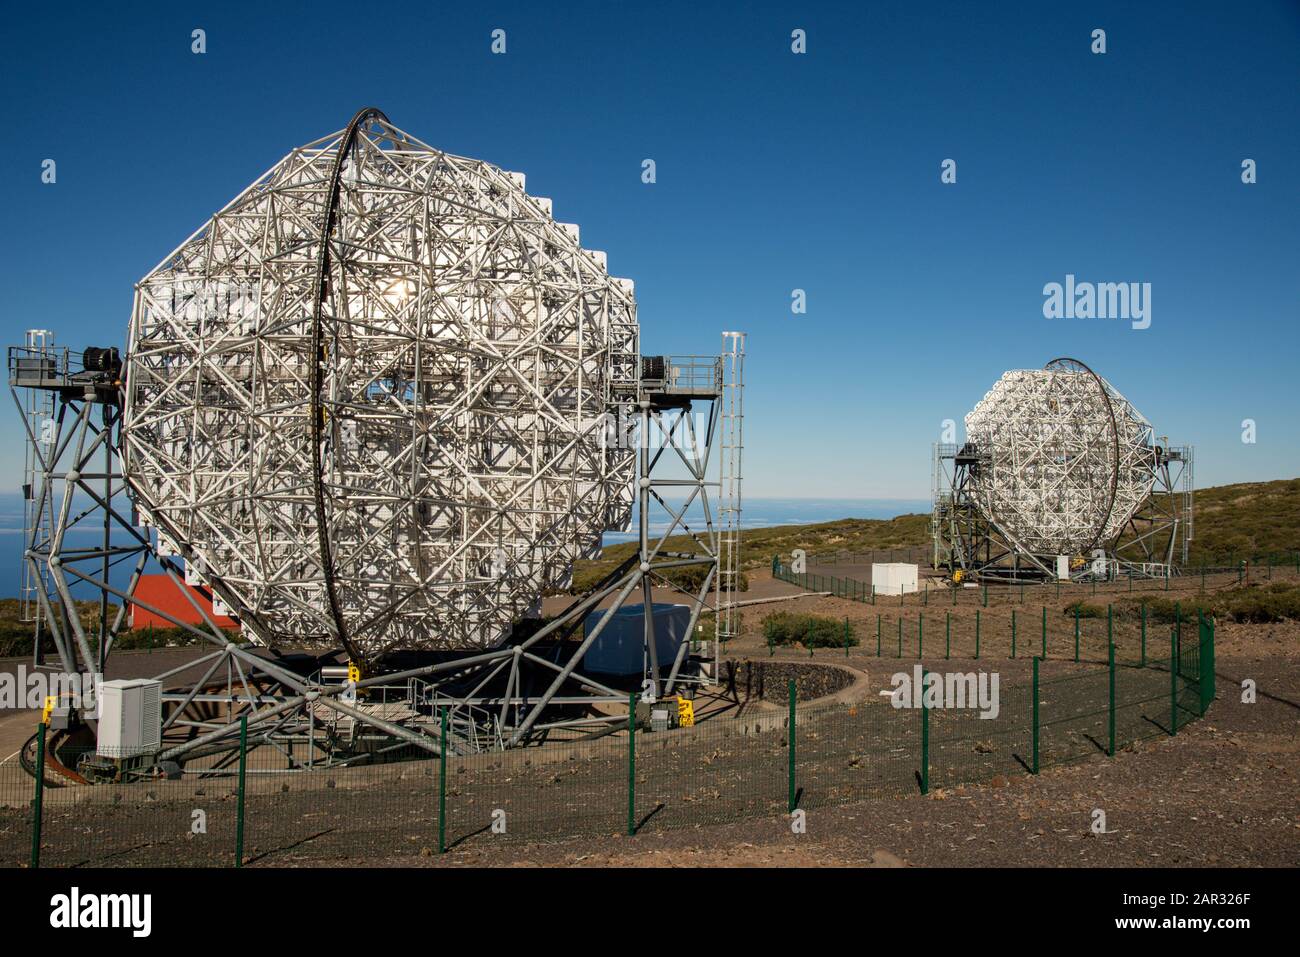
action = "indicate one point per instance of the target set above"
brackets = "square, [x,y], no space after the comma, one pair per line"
[16,635]
[1237,521]
[1263,603]
[811,631]
[1232,522]
[1255,604]
[1085,610]
[757,546]
[587,574]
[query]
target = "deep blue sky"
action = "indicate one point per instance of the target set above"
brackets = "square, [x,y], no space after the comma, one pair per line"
[775,171]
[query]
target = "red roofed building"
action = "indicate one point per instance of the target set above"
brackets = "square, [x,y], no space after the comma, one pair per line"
[165,595]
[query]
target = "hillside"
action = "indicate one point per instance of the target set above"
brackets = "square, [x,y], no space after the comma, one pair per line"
[1236,520]
[1231,522]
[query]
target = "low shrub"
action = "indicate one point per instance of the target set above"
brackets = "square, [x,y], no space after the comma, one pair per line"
[1263,604]
[1085,610]
[812,631]
[1165,611]
[1251,604]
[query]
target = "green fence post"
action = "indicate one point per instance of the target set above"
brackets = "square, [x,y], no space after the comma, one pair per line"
[920,635]
[1111,709]
[1044,631]
[977,634]
[239,808]
[38,798]
[1178,620]
[631,764]
[873,593]
[925,739]
[1144,635]
[1035,715]
[877,636]
[1206,662]
[1173,683]
[947,635]
[790,738]
[1013,632]
[1076,632]
[1110,627]
[986,596]
[442,780]
[900,636]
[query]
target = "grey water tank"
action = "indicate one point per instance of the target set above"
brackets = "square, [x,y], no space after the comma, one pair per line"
[620,648]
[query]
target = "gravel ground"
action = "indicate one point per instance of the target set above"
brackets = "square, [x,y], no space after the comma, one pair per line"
[1222,792]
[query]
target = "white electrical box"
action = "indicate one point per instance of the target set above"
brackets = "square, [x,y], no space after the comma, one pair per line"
[894,578]
[1063,568]
[130,718]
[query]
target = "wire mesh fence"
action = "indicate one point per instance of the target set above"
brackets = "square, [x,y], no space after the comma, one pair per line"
[848,575]
[942,726]
[1248,566]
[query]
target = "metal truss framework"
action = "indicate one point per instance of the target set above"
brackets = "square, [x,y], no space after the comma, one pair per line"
[1058,462]
[367,401]
[76,501]
[382,401]
[511,696]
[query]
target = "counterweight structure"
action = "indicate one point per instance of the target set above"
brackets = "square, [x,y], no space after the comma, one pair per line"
[1060,474]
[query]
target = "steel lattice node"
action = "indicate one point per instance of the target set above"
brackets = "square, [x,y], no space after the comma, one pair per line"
[368,400]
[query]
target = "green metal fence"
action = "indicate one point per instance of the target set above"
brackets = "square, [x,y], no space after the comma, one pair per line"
[1244,567]
[821,576]
[776,754]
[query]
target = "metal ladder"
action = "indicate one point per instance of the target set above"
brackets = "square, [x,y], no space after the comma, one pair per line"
[729,497]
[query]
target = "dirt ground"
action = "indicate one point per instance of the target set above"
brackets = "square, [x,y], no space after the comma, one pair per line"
[1222,792]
